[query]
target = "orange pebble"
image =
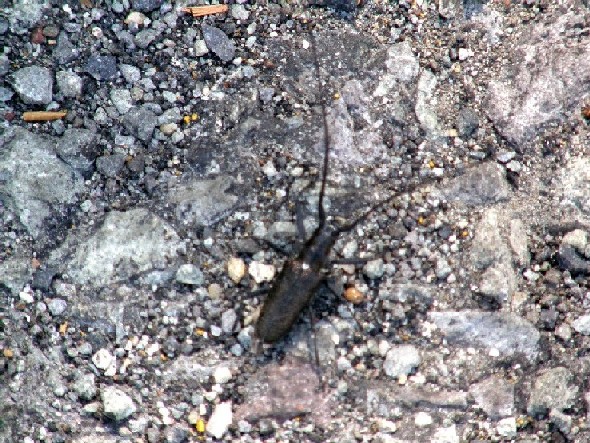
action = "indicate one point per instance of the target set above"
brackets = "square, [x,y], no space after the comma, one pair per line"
[354,296]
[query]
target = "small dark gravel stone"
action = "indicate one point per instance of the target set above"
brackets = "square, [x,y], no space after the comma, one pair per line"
[467,122]
[146,5]
[77,147]
[102,67]
[570,260]
[64,51]
[3,25]
[140,122]
[4,65]
[338,5]
[176,435]
[43,278]
[110,165]
[218,42]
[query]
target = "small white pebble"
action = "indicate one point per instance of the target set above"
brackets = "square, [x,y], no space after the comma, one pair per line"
[261,272]
[220,420]
[423,419]
[222,374]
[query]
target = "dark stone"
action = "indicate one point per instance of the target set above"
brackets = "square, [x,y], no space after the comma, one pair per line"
[110,165]
[146,5]
[102,67]
[218,42]
[64,51]
[571,261]
[467,122]
[43,278]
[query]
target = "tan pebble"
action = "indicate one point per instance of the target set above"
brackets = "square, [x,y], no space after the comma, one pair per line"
[354,296]
[236,269]
[168,128]
[215,290]
[8,353]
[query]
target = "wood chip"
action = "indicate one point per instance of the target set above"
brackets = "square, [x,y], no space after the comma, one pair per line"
[43,116]
[201,11]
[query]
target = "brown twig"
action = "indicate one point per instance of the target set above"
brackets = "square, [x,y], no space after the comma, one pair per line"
[201,11]
[43,116]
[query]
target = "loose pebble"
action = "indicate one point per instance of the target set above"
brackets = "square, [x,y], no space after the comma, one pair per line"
[220,420]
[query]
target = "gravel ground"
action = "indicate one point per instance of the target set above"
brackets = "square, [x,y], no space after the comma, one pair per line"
[141,232]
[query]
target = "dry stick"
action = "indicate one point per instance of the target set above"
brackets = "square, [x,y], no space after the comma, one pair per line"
[43,116]
[201,11]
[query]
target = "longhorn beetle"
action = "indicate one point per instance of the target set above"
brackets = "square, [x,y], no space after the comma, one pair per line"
[299,278]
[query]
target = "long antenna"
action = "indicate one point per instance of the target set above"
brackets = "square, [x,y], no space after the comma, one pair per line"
[321,211]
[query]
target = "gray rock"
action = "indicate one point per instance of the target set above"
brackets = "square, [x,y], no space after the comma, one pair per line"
[498,283]
[130,73]
[384,397]
[176,434]
[479,186]
[582,324]
[57,306]
[140,122]
[218,42]
[552,390]
[510,334]
[533,92]
[239,12]
[495,396]
[77,147]
[117,405]
[518,241]
[15,272]
[69,83]
[442,270]
[374,268]
[570,260]
[102,67]
[577,239]
[25,13]
[145,37]
[4,65]
[85,386]
[202,202]
[401,360]
[121,99]
[34,181]
[505,156]
[65,51]
[426,103]
[228,321]
[5,94]
[34,85]
[189,274]
[126,244]
[488,246]
[111,165]
[467,122]
[401,62]
[146,5]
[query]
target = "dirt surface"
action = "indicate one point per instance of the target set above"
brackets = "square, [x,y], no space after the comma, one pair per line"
[141,232]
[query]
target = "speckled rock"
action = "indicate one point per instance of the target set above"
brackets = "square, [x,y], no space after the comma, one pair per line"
[126,244]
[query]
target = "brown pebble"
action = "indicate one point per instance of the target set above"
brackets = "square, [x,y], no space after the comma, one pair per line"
[354,296]
[37,36]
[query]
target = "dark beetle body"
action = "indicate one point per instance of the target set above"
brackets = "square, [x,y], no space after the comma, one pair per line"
[295,286]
